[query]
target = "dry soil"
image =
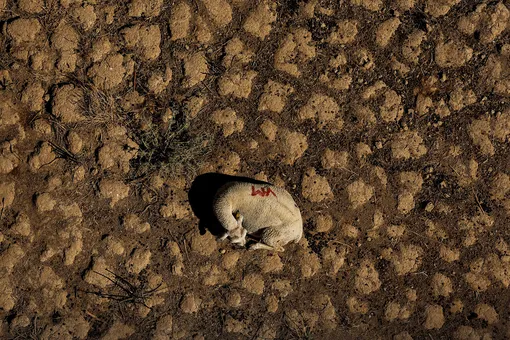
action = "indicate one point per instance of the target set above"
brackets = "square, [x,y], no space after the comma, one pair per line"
[388,121]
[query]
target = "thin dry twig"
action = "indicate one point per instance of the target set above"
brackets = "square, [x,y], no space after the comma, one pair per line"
[136,294]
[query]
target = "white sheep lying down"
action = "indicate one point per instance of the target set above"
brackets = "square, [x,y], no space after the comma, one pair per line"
[259,210]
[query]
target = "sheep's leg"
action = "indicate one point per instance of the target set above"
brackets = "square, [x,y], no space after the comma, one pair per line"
[236,234]
[222,237]
[264,246]
[239,239]
[276,236]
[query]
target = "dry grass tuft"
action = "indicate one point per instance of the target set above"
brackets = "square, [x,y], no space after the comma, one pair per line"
[168,151]
[99,107]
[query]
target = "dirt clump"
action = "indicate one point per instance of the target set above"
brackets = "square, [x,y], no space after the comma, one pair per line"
[145,38]
[295,49]
[315,187]
[367,278]
[113,190]
[151,8]
[190,303]
[434,317]
[109,73]
[324,110]
[274,96]
[259,21]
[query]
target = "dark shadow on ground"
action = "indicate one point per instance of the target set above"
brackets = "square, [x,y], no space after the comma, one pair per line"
[201,196]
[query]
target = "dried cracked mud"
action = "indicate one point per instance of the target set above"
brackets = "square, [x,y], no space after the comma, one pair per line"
[388,121]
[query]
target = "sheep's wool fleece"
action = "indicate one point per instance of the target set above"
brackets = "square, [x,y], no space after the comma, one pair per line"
[261,205]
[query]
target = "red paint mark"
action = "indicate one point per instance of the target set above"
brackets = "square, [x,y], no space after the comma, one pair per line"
[269,191]
[264,192]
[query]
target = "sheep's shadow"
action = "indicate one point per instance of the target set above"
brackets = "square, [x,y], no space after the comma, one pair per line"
[201,196]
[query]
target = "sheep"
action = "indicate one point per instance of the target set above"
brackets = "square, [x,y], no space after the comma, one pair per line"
[258,210]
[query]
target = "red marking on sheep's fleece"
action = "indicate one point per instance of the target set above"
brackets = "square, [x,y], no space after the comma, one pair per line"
[264,192]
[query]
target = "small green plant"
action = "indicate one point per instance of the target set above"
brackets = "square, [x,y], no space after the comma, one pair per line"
[168,150]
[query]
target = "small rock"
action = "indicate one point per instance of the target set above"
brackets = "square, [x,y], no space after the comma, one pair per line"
[269,129]
[271,263]
[175,209]
[486,313]
[11,257]
[113,190]
[113,245]
[272,303]
[323,223]
[363,151]
[260,19]
[23,30]
[411,294]
[457,306]
[254,283]
[190,303]
[74,249]
[203,244]
[8,159]
[180,18]
[54,182]
[72,210]
[350,231]
[91,275]
[357,306]
[359,193]
[75,142]
[310,264]
[229,260]
[139,259]
[85,15]
[367,278]
[429,207]
[333,258]
[66,103]
[315,188]
[434,317]
[441,285]
[234,300]
[234,326]
[334,159]
[118,331]
[283,287]
[43,155]
[20,321]
[164,326]
[7,300]
[22,225]
[79,174]
[100,49]
[132,223]
[44,202]
[47,254]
